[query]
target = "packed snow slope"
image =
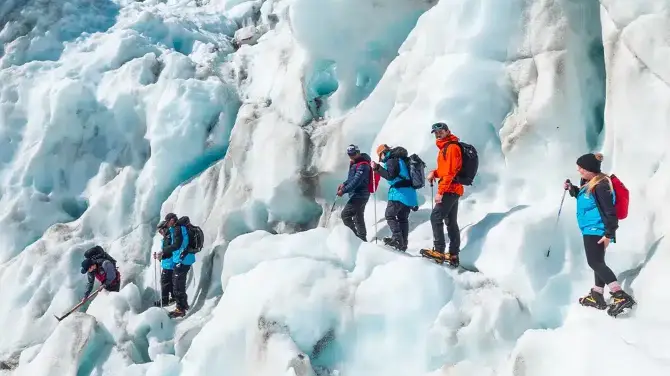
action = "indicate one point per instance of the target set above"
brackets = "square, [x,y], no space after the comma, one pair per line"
[237,113]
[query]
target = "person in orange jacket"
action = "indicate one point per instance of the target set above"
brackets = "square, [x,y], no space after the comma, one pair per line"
[449,162]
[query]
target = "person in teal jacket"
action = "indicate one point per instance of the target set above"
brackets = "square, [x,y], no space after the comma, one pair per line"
[167,266]
[402,197]
[181,259]
[598,222]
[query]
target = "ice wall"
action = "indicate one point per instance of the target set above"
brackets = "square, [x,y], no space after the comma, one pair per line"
[104,132]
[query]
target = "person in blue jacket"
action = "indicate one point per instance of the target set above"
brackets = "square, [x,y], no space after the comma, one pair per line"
[357,186]
[401,197]
[176,250]
[598,222]
[167,266]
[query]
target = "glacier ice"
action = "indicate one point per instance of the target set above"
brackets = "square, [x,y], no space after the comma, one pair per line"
[236,113]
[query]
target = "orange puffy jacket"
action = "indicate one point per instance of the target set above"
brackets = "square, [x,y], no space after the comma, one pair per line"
[448,165]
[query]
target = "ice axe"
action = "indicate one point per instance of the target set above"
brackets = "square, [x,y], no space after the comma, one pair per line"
[80,304]
[558,216]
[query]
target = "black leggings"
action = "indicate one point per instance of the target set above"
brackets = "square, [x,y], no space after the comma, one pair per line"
[595,256]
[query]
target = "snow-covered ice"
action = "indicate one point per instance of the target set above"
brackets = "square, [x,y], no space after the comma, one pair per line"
[237,113]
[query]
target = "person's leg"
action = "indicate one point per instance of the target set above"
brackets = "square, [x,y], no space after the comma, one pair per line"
[166,285]
[180,273]
[437,222]
[450,207]
[116,287]
[359,218]
[403,221]
[348,214]
[393,208]
[595,257]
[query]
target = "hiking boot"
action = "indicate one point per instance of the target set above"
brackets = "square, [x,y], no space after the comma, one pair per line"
[620,301]
[177,313]
[593,299]
[452,260]
[433,254]
[394,243]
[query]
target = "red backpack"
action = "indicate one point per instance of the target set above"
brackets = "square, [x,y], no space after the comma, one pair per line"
[622,197]
[373,183]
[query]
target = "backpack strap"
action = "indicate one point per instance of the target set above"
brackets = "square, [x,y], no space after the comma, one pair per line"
[444,149]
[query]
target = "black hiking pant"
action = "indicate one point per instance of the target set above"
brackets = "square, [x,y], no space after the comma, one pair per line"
[179,286]
[446,213]
[353,216]
[397,217]
[114,287]
[166,285]
[595,256]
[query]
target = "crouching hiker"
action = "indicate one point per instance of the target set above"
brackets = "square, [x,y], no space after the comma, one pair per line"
[601,202]
[402,196]
[99,265]
[359,185]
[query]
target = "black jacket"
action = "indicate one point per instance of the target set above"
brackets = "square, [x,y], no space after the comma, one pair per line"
[170,245]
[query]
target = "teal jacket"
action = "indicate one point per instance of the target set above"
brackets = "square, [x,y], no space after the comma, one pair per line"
[396,172]
[188,258]
[596,214]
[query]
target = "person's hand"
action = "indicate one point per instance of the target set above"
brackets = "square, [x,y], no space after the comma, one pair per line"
[438,198]
[158,255]
[374,165]
[604,240]
[339,191]
[567,185]
[431,177]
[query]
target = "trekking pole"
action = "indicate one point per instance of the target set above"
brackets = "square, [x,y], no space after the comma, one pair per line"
[156,275]
[374,200]
[557,217]
[432,197]
[334,202]
[80,304]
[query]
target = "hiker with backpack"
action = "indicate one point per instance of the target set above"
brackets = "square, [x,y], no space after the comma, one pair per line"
[601,201]
[402,198]
[99,265]
[457,164]
[359,184]
[167,266]
[181,259]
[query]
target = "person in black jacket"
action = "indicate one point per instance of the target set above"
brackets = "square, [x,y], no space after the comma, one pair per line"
[101,266]
[356,185]
[167,268]
[598,222]
[170,244]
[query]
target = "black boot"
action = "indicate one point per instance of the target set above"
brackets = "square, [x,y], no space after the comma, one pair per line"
[620,301]
[593,299]
[177,313]
[394,243]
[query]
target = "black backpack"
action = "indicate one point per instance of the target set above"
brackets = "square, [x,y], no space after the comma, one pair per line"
[466,175]
[415,167]
[98,255]
[196,238]
[417,171]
